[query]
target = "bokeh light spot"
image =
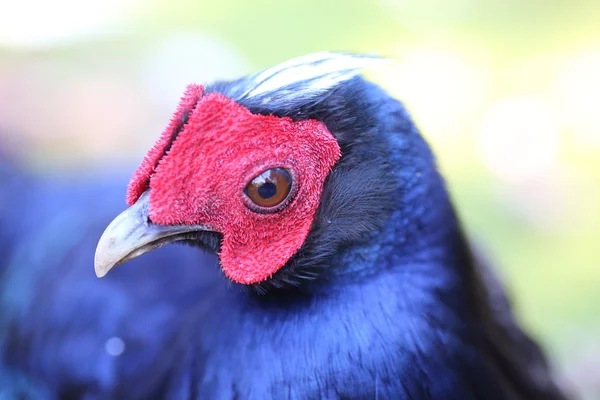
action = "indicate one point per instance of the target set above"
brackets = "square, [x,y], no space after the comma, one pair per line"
[519,138]
[115,346]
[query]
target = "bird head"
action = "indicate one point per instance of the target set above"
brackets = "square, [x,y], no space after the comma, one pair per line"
[306,169]
[262,171]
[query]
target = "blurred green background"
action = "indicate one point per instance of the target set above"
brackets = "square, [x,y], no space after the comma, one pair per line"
[507,92]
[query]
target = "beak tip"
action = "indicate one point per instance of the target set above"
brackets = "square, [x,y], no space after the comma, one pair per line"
[100,269]
[102,263]
[100,273]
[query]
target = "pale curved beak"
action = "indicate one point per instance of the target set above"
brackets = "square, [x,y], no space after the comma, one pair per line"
[131,234]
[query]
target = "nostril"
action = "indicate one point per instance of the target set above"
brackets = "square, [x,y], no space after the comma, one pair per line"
[148,220]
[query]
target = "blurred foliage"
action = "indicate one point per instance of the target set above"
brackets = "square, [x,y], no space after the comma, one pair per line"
[506,92]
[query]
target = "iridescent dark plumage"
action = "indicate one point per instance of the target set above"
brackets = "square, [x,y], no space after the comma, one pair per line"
[383,300]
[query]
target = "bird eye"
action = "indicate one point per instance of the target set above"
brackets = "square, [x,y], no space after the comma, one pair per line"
[269,189]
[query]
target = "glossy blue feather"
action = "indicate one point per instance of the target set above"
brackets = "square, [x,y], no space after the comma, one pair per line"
[393,313]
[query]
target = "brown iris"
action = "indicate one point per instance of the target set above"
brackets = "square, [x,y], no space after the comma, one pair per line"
[270,188]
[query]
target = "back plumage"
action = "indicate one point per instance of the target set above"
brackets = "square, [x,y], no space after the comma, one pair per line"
[61,329]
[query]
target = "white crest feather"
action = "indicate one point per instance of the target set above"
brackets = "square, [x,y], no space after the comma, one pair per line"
[312,74]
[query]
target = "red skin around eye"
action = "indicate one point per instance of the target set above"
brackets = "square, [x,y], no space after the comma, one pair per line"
[202,177]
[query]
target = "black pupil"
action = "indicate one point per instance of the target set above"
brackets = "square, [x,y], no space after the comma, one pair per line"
[267,190]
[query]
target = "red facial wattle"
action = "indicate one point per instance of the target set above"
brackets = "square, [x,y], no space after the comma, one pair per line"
[201,177]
